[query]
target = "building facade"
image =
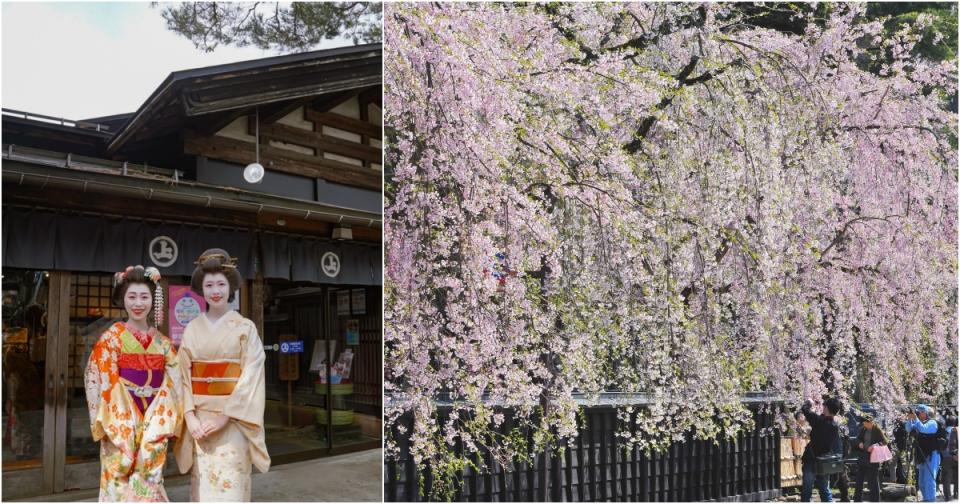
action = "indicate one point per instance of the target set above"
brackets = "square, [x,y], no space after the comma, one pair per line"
[83,199]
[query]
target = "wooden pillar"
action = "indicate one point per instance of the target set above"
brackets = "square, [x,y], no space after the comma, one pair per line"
[364,116]
[257,300]
[55,403]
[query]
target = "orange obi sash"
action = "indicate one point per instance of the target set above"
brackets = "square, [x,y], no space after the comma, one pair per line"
[214,378]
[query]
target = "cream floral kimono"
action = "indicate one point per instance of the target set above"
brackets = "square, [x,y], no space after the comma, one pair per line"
[222,372]
[131,382]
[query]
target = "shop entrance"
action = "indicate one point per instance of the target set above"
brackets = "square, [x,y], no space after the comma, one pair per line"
[324,399]
[46,431]
[52,319]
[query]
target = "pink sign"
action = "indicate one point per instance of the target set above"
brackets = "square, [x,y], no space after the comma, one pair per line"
[185,306]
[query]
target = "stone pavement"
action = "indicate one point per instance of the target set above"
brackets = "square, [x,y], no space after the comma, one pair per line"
[890,492]
[355,477]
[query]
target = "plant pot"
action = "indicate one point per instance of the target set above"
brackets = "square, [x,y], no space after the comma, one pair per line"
[340,417]
[337,390]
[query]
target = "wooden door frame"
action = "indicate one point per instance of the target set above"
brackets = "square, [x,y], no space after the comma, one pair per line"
[55,407]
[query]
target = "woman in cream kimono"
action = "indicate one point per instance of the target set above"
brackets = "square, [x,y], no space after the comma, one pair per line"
[131,381]
[222,389]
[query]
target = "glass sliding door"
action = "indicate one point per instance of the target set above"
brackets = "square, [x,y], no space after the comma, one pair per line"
[292,312]
[354,371]
[34,314]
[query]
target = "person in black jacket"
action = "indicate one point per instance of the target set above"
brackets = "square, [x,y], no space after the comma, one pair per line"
[824,439]
[870,435]
[900,437]
[948,461]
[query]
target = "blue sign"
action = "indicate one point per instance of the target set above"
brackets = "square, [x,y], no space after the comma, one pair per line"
[291,347]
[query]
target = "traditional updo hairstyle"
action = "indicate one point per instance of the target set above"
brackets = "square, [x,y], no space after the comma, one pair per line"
[139,275]
[216,260]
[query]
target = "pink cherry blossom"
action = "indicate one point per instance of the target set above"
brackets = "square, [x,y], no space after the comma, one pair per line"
[692,207]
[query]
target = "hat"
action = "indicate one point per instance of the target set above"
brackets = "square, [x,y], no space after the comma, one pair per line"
[922,408]
[866,417]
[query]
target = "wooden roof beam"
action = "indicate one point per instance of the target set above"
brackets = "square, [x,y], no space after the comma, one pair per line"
[373,94]
[217,122]
[329,101]
[270,114]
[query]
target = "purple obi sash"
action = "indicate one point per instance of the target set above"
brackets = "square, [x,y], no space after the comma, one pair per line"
[142,385]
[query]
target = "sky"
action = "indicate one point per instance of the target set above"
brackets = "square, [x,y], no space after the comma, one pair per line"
[78,60]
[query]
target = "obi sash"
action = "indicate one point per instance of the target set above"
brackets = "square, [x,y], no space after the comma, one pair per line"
[142,375]
[214,377]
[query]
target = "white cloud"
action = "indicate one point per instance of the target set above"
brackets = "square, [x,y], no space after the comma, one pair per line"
[86,60]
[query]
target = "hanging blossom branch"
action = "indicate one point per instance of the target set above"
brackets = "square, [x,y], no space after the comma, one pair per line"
[656,199]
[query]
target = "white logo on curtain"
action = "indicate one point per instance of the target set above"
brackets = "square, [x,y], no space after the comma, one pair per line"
[330,264]
[163,251]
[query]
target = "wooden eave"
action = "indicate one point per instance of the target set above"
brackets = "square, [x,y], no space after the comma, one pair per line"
[226,88]
[20,131]
[36,167]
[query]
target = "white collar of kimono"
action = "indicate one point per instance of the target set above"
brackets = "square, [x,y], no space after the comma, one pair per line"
[214,325]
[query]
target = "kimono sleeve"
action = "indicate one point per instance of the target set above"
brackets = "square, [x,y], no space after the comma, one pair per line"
[96,383]
[184,383]
[246,402]
[171,361]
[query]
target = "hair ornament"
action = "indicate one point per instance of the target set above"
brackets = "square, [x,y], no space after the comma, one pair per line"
[224,261]
[158,305]
[152,273]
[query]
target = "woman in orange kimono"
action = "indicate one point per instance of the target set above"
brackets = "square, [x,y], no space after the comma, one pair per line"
[222,389]
[131,385]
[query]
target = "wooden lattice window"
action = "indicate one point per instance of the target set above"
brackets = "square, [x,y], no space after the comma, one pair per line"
[90,306]
[90,297]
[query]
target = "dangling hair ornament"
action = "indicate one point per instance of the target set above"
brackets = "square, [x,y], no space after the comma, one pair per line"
[154,275]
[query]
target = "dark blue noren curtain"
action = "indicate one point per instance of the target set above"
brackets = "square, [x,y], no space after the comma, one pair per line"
[276,255]
[29,239]
[192,241]
[49,240]
[359,264]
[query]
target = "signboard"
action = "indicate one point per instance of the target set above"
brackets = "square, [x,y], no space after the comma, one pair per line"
[291,347]
[318,361]
[343,302]
[289,362]
[358,299]
[185,305]
[353,332]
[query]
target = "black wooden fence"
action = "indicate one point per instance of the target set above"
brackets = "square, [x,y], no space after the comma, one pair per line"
[594,466]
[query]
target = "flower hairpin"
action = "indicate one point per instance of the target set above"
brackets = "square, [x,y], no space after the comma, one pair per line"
[122,275]
[152,273]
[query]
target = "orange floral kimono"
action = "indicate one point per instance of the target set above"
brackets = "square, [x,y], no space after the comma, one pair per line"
[131,382]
